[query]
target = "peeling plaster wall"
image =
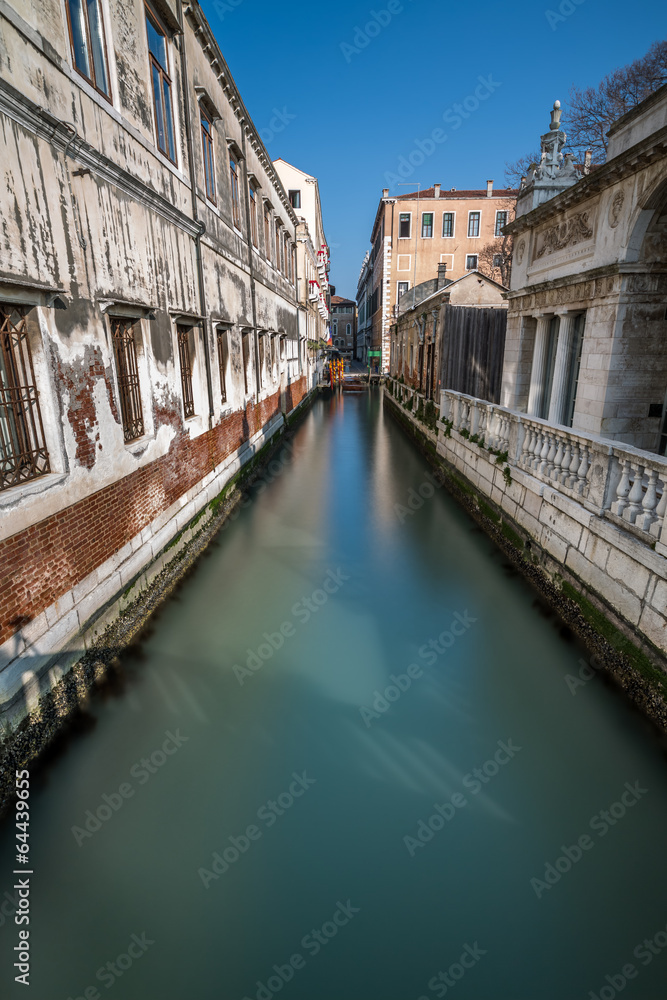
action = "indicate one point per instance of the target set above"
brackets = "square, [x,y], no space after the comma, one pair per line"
[102,220]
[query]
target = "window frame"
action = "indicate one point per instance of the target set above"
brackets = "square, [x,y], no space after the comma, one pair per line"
[207,147]
[20,398]
[183,334]
[165,76]
[472,212]
[476,265]
[128,382]
[254,229]
[91,80]
[432,227]
[294,191]
[398,289]
[222,344]
[452,216]
[267,231]
[235,191]
[400,222]
[500,211]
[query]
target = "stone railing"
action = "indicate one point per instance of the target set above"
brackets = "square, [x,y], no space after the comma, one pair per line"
[614,480]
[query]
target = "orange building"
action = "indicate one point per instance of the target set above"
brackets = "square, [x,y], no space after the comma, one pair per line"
[415,232]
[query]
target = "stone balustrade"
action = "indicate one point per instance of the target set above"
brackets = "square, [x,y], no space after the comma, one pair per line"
[613,480]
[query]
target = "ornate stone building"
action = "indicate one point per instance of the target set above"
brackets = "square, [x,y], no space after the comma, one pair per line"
[587,321]
[149,315]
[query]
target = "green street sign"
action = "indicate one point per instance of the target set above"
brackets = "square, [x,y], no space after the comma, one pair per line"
[375,354]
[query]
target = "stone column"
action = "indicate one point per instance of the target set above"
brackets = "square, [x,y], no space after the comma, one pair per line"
[559,385]
[538,371]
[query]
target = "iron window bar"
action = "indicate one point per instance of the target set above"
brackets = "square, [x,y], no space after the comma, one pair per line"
[125,353]
[186,370]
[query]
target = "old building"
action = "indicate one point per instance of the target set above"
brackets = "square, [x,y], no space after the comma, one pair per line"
[413,233]
[587,323]
[574,457]
[314,291]
[364,315]
[344,325]
[450,335]
[150,320]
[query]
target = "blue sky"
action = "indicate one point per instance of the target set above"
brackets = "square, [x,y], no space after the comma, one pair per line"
[352,103]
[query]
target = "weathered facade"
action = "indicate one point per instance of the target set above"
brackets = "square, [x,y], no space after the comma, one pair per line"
[150,319]
[450,335]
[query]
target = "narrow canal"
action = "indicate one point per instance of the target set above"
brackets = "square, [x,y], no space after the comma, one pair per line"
[348,746]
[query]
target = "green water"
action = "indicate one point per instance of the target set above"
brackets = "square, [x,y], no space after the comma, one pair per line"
[326,891]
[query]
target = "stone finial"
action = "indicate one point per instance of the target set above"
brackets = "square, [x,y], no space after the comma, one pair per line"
[555,116]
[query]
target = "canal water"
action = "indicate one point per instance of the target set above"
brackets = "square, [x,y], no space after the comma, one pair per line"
[351,762]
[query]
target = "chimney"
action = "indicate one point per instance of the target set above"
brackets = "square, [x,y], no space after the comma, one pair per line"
[442,276]
[588,156]
[489,189]
[436,190]
[385,192]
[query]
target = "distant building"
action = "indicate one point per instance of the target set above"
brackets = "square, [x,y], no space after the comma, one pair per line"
[344,325]
[414,233]
[314,290]
[364,315]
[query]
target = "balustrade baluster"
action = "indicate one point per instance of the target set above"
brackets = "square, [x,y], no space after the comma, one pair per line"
[635,496]
[622,490]
[661,510]
[647,515]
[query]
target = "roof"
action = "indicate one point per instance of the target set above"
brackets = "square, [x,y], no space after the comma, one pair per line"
[449,195]
[339,300]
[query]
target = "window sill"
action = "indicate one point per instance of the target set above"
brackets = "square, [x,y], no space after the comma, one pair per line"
[31,488]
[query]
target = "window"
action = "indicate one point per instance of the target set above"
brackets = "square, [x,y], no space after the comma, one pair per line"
[23,453]
[404,225]
[295,199]
[348,330]
[245,350]
[427,225]
[277,245]
[292,258]
[223,357]
[403,287]
[252,194]
[236,204]
[447,225]
[183,334]
[262,354]
[125,353]
[86,31]
[501,222]
[207,149]
[497,260]
[471,262]
[285,254]
[573,370]
[267,231]
[473,223]
[164,121]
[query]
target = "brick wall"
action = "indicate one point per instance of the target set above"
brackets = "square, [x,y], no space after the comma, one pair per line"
[40,564]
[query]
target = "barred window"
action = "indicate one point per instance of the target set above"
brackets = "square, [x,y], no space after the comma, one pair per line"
[473,223]
[23,453]
[223,355]
[447,224]
[125,353]
[183,333]
[245,349]
[501,222]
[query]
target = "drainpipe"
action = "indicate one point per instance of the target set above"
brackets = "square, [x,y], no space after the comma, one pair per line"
[202,227]
[251,264]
